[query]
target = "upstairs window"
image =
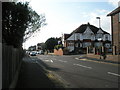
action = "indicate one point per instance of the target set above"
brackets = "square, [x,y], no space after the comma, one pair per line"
[106,38]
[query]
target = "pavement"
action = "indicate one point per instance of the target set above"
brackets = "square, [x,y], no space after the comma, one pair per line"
[101,60]
[33,76]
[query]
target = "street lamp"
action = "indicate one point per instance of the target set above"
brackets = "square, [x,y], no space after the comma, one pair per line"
[99,21]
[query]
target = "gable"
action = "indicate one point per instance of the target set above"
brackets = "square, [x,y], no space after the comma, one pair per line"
[88,31]
[72,37]
[100,31]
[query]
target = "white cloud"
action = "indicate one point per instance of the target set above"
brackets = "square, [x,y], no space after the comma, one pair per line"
[105,21]
[113,2]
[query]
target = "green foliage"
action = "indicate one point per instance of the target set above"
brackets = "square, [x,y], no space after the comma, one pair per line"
[18,21]
[51,43]
[66,49]
[58,47]
[42,45]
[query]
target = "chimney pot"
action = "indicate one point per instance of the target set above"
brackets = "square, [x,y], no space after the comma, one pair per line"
[118,3]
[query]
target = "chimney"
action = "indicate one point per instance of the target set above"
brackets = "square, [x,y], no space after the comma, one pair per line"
[119,4]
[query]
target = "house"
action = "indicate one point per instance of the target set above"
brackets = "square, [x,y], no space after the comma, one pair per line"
[115,25]
[32,48]
[85,36]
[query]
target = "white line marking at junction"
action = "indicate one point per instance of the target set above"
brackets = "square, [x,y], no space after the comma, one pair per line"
[83,66]
[77,58]
[51,61]
[62,61]
[113,74]
[48,61]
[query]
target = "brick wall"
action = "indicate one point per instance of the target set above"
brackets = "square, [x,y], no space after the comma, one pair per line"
[116,32]
[58,52]
[115,58]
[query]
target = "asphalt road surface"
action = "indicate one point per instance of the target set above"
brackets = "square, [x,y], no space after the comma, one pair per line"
[81,73]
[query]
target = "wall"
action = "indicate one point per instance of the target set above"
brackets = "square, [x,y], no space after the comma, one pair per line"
[114,58]
[0,45]
[116,32]
[11,61]
[0,66]
[58,52]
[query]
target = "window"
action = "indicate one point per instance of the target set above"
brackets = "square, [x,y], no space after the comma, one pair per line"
[106,38]
[77,36]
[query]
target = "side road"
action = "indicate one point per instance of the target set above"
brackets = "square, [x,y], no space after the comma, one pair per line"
[33,75]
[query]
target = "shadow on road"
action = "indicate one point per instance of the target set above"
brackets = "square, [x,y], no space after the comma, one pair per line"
[47,66]
[33,76]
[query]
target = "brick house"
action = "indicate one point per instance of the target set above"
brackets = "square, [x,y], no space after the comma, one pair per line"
[115,25]
[85,36]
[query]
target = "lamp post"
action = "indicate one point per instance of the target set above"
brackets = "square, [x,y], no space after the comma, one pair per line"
[99,21]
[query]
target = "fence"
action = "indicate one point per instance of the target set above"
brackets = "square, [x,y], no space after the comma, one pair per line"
[11,59]
[0,66]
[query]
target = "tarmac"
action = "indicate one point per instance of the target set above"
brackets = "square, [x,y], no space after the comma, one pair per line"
[32,76]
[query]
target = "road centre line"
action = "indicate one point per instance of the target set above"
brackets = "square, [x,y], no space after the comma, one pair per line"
[113,74]
[82,66]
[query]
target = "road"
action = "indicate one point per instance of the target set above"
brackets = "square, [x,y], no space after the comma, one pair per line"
[80,73]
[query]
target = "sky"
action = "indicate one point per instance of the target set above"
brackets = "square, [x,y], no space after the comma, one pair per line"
[64,16]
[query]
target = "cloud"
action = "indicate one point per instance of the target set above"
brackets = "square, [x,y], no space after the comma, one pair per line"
[105,21]
[113,2]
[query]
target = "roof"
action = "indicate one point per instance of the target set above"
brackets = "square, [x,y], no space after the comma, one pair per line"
[82,28]
[117,10]
[66,36]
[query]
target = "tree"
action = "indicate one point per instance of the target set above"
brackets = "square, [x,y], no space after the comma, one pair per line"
[36,21]
[51,43]
[19,22]
[41,46]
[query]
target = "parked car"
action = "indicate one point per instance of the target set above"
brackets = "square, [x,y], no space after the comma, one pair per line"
[40,52]
[33,53]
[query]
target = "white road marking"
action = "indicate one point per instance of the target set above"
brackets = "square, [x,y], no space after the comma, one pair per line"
[62,61]
[33,59]
[113,74]
[83,66]
[51,61]
[48,61]
[77,58]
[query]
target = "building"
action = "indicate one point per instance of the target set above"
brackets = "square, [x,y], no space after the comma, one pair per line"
[85,36]
[32,48]
[115,25]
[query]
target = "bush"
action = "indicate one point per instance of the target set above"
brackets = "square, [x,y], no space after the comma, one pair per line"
[58,47]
